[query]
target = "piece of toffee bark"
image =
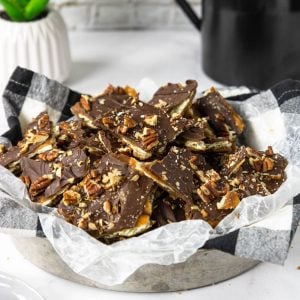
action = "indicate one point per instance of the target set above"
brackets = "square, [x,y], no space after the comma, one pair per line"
[173,173]
[201,138]
[90,108]
[222,115]
[46,181]
[175,98]
[10,159]
[253,172]
[37,139]
[143,128]
[113,200]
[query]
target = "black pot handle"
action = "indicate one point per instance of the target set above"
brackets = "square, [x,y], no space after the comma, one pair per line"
[190,13]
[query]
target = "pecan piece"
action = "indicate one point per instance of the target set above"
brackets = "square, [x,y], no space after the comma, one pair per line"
[151,120]
[26,180]
[84,101]
[49,156]
[267,164]
[71,197]
[256,163]
[43,121]
[112,179]
[129,122]
[92,188]
[40,184]
[229,201]
[149,138]
[2,149]
[107,207]
[108,122]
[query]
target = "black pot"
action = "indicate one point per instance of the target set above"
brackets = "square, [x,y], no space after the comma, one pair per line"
[249,42]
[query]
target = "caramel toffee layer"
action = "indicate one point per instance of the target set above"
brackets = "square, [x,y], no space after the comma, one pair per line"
[123,166]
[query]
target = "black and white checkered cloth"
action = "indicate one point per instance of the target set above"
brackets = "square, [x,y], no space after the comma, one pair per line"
[28,93]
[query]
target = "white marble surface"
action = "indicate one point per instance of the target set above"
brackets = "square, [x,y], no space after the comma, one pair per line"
[124,58]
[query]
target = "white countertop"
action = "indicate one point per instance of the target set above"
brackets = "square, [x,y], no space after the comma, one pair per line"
[124,58]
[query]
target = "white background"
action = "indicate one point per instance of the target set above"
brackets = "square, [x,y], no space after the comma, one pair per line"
[124,58]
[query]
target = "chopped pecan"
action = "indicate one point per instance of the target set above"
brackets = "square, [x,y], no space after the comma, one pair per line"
[204,213]
[49,156]
[92,187]
[151,120]
[229,201]
[71,197]
[267,164]
[130,91]
[112,179]
[253,153]
[92,226]
[108,122]
[26,180]
[107,207]
[43,121]
[65,126]
[149,138]
[40,184]
[269,151]
[129,122]
[84,101]
[256,163]
[2,149]
[122,129]
[161,104]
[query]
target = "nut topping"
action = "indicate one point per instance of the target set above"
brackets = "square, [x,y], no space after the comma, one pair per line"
[40,185]
[84,101]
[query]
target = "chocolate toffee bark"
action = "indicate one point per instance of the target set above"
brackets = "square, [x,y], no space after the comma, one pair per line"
[112,200]
[37,139]
[201,138]
[10,159]
[222,115]
[143,128]
[252,172]
[47,180]
[175,98]
[125,166]
[173,173]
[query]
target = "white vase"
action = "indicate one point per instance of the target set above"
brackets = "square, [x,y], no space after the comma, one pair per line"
[41,46]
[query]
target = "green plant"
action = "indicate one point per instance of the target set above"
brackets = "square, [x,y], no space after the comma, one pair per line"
[24,10]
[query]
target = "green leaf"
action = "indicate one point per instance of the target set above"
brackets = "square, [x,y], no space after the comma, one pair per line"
[24,3]
[14,10]
[34,9]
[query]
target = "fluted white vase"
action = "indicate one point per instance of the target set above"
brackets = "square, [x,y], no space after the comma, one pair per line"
[41,46]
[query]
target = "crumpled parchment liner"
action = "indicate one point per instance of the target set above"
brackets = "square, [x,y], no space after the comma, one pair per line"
[173,243]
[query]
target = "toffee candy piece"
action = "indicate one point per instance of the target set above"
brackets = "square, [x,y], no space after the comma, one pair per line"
[11,159]
[90,108]
[220,113]
[37,138]
[175,98]
[173,173]
[46,181]
[200,138]
[233,162]
[143,128]
[121,207]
